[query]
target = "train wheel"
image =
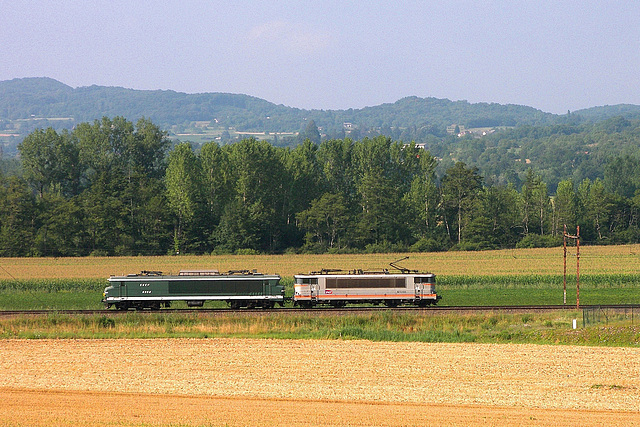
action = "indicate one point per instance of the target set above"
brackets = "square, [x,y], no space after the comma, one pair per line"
[391,303]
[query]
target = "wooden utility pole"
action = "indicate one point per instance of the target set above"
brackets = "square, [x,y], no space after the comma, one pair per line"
[578,267]
[564,243]
[577,239]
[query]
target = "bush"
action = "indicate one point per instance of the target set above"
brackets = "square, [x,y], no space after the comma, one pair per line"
[538,241]
[313,248]
[427,245]
[247,251]
[630,235]
[384,248]
[343,251]
[473,246]
[221,250]
[99,253]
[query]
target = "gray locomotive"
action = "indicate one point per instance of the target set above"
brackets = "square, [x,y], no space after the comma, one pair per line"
[338,288]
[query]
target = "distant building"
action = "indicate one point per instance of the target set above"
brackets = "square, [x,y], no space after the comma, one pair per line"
[420,145]
[451,130]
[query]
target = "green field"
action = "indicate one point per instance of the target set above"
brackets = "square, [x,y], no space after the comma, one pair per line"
[76,294]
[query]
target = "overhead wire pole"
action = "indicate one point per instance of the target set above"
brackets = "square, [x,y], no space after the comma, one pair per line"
[578,267]
[564,242]
[577,239]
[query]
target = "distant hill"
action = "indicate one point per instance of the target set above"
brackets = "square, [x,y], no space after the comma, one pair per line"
[28,103]
[45,97]
[628,111]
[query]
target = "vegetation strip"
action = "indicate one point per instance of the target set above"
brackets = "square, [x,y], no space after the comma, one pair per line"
[539,328]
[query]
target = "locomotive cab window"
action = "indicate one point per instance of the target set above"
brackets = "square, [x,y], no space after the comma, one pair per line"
[307,280]
[428,279]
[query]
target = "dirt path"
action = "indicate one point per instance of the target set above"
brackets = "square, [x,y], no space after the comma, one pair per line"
[296,382]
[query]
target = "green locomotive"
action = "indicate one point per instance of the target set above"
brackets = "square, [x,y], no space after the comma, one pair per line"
[152,289]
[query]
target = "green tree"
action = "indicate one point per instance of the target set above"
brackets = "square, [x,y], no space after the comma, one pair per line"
[565,207]
[301,179]
[311,132]
[596,205]
[183,181]
[460,186]
[217,183]
[622,175]
[335,159]
[18,218]
[423,197]
[50,161]
[326,222]
[256,205]
[496,219]
[123,166]
[381,183]
[62,227]
[535,204]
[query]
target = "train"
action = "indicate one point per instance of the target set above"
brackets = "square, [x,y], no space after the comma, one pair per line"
[250,289]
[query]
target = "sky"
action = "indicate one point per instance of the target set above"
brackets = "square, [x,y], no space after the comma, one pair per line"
[552,55]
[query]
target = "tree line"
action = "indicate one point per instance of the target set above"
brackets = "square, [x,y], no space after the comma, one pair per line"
[113,187]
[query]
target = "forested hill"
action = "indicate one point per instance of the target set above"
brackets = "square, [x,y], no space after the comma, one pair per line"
[37,98]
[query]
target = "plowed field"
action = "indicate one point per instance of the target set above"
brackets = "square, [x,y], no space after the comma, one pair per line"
[298,382]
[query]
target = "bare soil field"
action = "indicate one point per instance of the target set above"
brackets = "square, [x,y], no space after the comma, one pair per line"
[299,382]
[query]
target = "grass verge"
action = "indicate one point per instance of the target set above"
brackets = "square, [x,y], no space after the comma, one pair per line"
[545,328]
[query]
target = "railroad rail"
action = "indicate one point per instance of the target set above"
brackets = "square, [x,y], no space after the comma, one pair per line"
[324,310]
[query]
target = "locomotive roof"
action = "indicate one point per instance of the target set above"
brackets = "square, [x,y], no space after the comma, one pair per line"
[400,270]
[195,274]
[360,272]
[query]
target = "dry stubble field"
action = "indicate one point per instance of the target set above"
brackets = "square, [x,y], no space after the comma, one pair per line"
[299,382]
[623,259]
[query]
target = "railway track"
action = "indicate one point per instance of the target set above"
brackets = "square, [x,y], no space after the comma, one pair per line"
[323,311]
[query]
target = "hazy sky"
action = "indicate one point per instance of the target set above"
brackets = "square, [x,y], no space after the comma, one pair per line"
[551,55]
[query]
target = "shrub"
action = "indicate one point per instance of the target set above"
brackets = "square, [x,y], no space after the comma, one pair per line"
[384,248]
[538,241]
[247,251]
[427,245]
